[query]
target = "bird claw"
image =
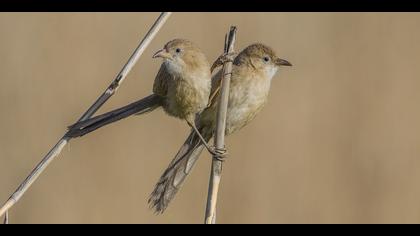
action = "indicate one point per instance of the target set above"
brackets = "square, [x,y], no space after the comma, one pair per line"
[225,57]
[219,154]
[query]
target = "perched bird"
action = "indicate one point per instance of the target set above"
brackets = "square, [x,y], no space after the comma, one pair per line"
[182,87]
[252,71]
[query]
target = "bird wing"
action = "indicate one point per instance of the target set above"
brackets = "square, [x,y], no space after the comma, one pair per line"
[160,86]
[216,84]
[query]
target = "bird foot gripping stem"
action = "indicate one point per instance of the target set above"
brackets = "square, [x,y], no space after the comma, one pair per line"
[219,154]
[224,58]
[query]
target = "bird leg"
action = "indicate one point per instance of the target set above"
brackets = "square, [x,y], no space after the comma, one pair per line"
[192,125]
[225,57]
[220,154]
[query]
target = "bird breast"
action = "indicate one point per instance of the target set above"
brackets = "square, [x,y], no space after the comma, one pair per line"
[187,95]
[247,97]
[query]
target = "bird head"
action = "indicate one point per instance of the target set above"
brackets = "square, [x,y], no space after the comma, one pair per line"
[181,54]
[261,58]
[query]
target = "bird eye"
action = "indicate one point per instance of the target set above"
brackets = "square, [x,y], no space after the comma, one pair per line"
[266,59]
[178,50]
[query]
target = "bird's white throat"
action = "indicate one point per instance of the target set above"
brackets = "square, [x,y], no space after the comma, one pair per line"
[271,71]
[173,67]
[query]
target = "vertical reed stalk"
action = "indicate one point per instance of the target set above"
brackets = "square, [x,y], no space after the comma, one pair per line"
[219,140]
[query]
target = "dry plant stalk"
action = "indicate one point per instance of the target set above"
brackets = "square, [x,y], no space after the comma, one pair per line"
[219,139]
[109,92]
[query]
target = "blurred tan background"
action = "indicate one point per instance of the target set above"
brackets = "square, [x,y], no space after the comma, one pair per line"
[338,141]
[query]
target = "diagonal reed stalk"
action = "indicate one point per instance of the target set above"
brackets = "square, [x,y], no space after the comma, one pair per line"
[219,139]
[109,92]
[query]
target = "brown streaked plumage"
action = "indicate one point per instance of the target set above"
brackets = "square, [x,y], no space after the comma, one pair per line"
[252,71]
[181,87]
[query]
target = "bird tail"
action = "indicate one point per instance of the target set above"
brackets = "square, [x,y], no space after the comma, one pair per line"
[174,176]
[142,106]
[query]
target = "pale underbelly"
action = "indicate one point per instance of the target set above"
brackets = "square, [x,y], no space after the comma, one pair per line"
[240,117]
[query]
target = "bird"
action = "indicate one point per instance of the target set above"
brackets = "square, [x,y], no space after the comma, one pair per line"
[252,72]
[181,87]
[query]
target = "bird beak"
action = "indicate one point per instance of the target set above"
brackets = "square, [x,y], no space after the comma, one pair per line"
[282,62]
[162,53]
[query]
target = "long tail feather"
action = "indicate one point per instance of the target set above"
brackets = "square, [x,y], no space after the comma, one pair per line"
[174,176]
[142,106]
